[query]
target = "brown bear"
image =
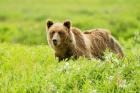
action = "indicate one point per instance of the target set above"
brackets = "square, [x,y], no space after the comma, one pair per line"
[68,41]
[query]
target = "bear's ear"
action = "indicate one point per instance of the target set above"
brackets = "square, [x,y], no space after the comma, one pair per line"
[49,23]
[67,24]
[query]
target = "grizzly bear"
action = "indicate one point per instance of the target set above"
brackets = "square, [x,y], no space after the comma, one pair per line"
[68,41]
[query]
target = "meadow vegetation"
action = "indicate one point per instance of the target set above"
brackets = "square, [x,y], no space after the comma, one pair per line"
[28,65]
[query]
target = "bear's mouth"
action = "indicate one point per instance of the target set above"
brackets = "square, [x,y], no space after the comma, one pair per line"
[55,44]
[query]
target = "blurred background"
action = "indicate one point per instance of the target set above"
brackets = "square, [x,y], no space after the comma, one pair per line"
[23,21]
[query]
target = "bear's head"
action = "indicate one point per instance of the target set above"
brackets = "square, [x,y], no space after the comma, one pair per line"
[58,33]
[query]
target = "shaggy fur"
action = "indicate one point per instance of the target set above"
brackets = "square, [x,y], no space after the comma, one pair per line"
[72,42]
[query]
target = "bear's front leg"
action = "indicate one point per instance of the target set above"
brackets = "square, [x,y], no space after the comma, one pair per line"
[60,58]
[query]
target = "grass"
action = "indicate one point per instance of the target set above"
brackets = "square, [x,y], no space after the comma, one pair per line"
[25,23]
[28,65]
[34,69]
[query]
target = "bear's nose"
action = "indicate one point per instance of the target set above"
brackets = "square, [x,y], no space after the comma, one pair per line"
[54,41]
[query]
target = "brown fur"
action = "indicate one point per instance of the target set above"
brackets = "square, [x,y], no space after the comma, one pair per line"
[91,44]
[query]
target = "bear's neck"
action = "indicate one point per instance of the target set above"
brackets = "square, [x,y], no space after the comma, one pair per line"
[66,51]
[68,48]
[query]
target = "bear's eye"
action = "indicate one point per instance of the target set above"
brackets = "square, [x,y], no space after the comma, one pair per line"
[61,33]
[52,32]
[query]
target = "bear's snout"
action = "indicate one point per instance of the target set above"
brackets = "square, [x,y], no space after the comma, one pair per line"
[54,42]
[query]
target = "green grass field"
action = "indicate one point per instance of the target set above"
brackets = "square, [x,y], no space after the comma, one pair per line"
[28,65]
